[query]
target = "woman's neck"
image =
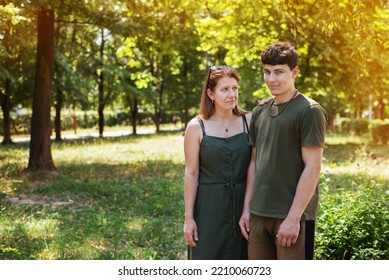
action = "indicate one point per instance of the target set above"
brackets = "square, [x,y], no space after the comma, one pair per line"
[224,115]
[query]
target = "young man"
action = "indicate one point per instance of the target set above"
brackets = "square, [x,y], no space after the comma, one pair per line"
[287,139]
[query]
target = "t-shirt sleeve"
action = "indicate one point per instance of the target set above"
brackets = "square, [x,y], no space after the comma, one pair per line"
[253,133]
[313,126]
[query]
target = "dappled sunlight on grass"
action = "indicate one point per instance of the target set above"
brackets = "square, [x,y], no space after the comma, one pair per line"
[41,228]
[25,237]
[48,254]
[136,224]
[342,139]
[117,198]
[14,160]
[129,150]
[378,172]
[352,154]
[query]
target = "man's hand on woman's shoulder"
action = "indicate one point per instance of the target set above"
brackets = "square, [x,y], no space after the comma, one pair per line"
[264,101]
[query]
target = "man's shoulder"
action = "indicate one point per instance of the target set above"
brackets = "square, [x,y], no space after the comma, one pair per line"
[257,110]
[309,106]
[308,101]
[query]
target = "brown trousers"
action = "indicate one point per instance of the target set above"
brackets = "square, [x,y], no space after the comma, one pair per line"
[263,243]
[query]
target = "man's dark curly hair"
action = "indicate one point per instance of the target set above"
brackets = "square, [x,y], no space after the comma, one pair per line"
[280,53]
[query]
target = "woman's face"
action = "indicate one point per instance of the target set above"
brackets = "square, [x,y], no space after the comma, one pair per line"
[225,93]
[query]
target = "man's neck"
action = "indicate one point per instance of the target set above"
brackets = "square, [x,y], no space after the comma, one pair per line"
[284,98]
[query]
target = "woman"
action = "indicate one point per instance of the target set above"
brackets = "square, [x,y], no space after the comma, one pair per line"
[217,156]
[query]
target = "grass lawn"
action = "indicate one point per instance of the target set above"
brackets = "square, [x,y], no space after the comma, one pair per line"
[121,197]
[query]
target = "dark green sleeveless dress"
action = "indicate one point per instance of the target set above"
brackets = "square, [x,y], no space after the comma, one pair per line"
[220,197]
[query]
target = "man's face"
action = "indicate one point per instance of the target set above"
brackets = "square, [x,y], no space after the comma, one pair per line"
[279,78]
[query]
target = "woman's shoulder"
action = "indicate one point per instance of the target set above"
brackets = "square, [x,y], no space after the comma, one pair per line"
[195,121]
[194,125]
[248,116]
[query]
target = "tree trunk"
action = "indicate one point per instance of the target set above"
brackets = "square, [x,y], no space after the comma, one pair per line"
[134,115]
[186,116]
[157,117]
[6,108]
[100,111]
[59,95]
[57,121]
[40,145]
[158,106]
[359,110]
[331,119]
[101,88]
[381,109]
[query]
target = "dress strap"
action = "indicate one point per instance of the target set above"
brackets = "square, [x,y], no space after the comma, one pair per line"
[202,125]
[245,125]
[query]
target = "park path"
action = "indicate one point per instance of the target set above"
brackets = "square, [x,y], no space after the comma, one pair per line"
[95,134]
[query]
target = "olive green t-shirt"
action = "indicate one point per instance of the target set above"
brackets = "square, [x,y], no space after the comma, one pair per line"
[278,140]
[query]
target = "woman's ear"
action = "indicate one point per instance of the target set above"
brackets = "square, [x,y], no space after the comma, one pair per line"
[210,94]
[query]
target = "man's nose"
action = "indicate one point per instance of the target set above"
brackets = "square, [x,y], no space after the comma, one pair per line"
[270,77]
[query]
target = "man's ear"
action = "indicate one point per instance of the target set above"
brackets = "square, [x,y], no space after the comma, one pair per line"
[295,72]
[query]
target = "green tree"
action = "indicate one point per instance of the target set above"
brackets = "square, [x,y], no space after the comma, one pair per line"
[339,43]
[16,64]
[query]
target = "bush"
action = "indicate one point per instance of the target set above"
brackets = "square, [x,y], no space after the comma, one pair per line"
[354,224]
[379,131]
[355,126]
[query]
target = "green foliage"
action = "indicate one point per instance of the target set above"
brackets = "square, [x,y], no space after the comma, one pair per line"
[158,52]
[353,221]
[379,131]
[355,126]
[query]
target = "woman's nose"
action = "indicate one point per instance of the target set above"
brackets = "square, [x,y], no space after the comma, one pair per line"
[232,92]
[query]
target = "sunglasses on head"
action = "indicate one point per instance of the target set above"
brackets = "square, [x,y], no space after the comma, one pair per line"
[220,67]
[217,67]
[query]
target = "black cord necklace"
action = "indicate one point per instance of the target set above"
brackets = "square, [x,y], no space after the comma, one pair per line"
[283,108]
